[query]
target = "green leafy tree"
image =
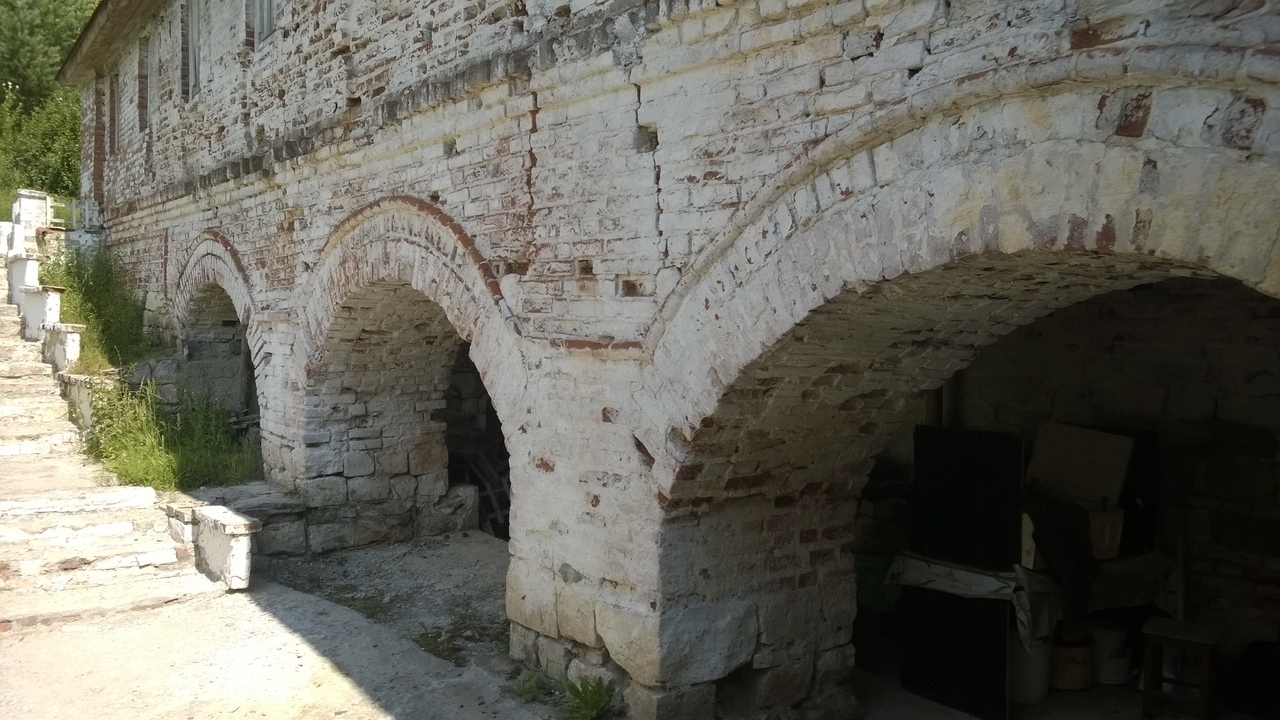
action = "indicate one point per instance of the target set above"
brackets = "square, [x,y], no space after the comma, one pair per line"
[47,154]
[39,119]
[35,37]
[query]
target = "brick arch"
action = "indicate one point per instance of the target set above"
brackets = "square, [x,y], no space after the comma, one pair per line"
[405,240]
[412,240]
[1107,69]
[1009,179]
[214,261]
[214,292]
[876,271]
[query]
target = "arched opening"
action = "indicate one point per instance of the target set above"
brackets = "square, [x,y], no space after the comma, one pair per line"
[1173,384]
[219,364]
[478,454]
[401,437]
[772,509]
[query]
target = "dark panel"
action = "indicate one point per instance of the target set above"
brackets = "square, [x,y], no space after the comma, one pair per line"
[954,651]
[965,497]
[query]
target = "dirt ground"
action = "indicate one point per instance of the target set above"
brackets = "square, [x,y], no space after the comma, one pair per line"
[395,631]
[447,594]
[275,652]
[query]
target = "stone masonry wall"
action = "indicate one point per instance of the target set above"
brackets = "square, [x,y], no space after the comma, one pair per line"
[641,214]
[379,458]
[213,361]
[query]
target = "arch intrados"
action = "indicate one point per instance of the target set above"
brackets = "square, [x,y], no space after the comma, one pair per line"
[824,392]
[409,239]
[371,291]
[215,263]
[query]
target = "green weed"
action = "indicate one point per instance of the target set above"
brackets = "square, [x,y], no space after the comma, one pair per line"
[588,699]
[532,686]
[465,626]
[143,445]
[127,435]
[97,297]
[441,643]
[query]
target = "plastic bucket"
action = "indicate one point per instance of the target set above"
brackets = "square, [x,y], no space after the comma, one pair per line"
[1071,667]
[1112,664]
[1028,672]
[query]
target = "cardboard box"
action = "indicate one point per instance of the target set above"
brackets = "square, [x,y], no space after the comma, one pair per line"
[1085,465]
[1088,468]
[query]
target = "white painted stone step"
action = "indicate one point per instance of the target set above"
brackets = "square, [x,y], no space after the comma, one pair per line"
[33,409]
[26,369]
[79,500]
[37,438]
[128,549]
[166,563]
[27,475]
[25,568]
[28,387]
[22,611]
[78,528]
[16,350]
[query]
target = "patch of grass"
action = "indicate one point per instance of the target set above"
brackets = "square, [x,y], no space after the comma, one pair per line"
[532,686]
[441,643]
[299,576]
[97,297]
[143,445]
[375,607]
[465,626]
[588,699]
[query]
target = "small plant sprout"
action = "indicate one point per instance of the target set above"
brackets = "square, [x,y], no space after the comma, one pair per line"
[588,699]
[532,686]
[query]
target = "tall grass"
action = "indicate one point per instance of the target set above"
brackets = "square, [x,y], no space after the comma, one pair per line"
[131,433]
[97,297]
[143,445]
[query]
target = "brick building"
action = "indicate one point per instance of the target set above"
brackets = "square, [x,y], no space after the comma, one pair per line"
[705,259]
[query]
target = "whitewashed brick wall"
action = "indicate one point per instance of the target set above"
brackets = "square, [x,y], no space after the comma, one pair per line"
[703,254]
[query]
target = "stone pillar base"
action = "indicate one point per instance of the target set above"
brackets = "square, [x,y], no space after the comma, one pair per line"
[695,702]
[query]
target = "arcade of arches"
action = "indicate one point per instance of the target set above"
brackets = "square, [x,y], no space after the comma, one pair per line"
[660,292]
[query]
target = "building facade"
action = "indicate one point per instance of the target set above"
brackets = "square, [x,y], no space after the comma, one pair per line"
[705,258]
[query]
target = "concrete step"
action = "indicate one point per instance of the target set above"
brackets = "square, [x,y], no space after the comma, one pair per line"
[38,438]
[33,409]
[24,610]
[77,529]
[27,475]
[28,387]
[17,350]
[25,370]
[8,311]
[83,560]
[78,500]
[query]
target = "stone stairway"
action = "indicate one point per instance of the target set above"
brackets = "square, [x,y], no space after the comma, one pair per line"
[72,545]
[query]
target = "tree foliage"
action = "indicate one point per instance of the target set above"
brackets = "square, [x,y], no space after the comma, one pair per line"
[39,120]
[42,150]
[35,37]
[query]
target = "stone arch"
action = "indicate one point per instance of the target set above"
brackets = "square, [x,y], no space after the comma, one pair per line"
[819,169]
[876,272]
[1022,174]
[219,338]
[403,323]
[412,240]
[214,261]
